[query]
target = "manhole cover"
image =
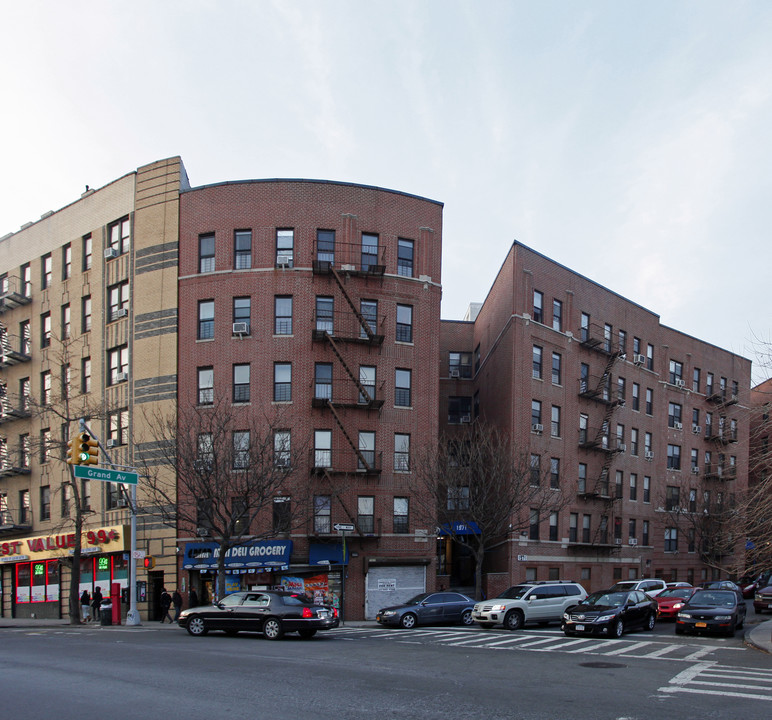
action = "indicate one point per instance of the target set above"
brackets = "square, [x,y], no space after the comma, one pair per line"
[602,665]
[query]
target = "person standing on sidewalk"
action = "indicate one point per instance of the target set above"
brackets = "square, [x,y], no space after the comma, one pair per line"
[177,602]
[166,603]
[85,606]
[96,603]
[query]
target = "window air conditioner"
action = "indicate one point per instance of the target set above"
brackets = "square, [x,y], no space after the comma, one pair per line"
[678,426]
[680,383]
[119,313]
[648,455]
[110,253]
[537,428]
[695,471]
[621,447]
[466,419]
[240,328]
[348,268]
[111,443]
[617,541]
[203,532]
[639,359]
[632,541]
[454,373]
[121,377]
[282,462]
[283,260]
[696,429]
[120,502]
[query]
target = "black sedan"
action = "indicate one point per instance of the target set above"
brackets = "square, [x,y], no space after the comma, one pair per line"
[718,611]
[610,613]
[271,613]
[429,608]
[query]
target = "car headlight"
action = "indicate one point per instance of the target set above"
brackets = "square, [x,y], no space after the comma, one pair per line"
[604,618]
[676,606]
[686,616]
[723,618]
[498,608]
[566,616]
[389,613]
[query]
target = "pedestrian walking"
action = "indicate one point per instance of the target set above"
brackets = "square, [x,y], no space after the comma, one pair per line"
[166,603]
[193,598]
[177,602]
[85,606]
[96,603]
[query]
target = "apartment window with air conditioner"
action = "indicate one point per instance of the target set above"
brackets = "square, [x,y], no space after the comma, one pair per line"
[405,259]
[459,410]
[369,251]
[282,448]
[206,259]
[118,428]
[118,364]
[673,457]
[460,364]
[648,447]
[242,316]
[242,249]
[535,414]
[205,319]
[632,534]
[674,419]
[118,301]
[282,314]
[538,306]
[285,247]
[322,514]
[537,362]
[676,373]
[241,385]
[119,235]
[636,345]
[401,452]
[694,460]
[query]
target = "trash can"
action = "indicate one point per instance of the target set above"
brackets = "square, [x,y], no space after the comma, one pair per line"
[106,612]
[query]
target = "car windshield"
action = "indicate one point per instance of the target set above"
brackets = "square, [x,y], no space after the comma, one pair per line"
[713,598]
[418,599]
[516,592]
[681,592]
[606,599]
[625,585]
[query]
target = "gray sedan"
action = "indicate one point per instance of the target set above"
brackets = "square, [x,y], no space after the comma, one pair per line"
[429,608]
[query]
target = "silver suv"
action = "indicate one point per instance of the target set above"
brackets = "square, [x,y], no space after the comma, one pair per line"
[539,602]
[651,586]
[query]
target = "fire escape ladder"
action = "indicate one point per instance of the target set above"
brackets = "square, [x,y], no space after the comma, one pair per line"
[348,370]
[362,321]
[354,445]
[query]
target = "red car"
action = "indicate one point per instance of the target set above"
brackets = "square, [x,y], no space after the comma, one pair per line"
[670,601]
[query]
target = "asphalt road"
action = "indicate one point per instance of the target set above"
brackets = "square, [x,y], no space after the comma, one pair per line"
[363,672]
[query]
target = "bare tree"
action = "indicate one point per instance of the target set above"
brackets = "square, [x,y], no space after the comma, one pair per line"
[225,472]
[480,489]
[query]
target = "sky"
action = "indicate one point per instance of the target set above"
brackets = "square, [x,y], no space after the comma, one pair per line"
[629,141]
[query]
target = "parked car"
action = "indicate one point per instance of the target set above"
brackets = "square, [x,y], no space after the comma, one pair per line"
[722,585]
[540,602]
[750,584]
[670,601]
[271,613]
[762,600]
[651,586]
[610,613]
[427,609]
[721,611]
[679,585]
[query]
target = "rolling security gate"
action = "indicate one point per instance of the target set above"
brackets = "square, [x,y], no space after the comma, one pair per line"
[392,585]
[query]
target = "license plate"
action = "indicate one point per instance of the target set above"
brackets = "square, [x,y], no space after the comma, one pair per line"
[700,625]
[579,628]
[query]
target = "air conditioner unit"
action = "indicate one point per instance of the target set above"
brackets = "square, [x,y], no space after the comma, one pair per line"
[348,268]
[678,426]
[639,359]
[119,313]
[240,328]
[111,253]
[734,398]
[648,455]
[621,447]
[680,383]
[283,462]
[111,443]
[695,471]
[454,372]
[617,541]
[537,428]
[284,260]
[696,429]
[466,419]
[632,541]
[121,377]
[203,532]
[120,502]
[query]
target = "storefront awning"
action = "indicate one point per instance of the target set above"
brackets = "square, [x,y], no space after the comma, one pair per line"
[327,554]
[253,556]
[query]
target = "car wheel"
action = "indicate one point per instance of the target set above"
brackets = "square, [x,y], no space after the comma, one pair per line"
[306,634]
[513,620]
[618,629]
[408,620]
[486,626]
[272,628]
[466,617]
[197,626]
[650,622]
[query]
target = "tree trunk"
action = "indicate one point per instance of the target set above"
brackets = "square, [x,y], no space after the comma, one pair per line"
[75,569]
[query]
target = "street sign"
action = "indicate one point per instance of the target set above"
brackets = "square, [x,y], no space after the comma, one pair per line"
[344,527]
[87,472]
[138,554]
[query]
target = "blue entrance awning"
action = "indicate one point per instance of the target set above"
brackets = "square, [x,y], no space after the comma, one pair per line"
[327,554]
[251,557]
[457,527]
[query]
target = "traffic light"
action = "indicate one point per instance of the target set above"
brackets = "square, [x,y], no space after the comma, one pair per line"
[72,452]
[87,449]
[149,562]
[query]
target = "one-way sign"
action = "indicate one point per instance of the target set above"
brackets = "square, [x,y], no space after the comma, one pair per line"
[344,527]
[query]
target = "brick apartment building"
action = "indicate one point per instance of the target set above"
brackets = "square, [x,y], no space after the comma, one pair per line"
[88,323]
[641,424]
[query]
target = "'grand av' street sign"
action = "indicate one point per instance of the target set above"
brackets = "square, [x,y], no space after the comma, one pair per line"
[88,472]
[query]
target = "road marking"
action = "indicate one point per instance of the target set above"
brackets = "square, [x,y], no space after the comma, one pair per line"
[696,680]
[629,648]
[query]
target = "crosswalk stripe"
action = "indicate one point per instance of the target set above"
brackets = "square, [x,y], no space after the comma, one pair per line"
[629,648]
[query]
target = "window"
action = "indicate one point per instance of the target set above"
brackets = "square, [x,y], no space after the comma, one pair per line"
[584,327]
[538,306]
[646,489]
[366,513]
[535,469]
[537,362]
[458,497]
[647,440]
[573,523]
[649,401]
[632,532]
[555,422]
[636,396]
[45,330]
[708,424]
[118,430]
[584,377]
[282,448]
[46,444]
[634,441]
[401,452]
[369,251]
[477,359]
[242,249]
[285,244]
[405,251]
[66,499]
[118,363]
[25,516]
[282,382]
[66,381]
[45,271]
[25,394]
[696,380]
[460,364]
[282,315]
[535,412]
[368,309]
[282,514]
[85,314]
[694,461]
[323,381]
[623,342]
[674,415]
[240,449]
[323,448]
[633,486]
[85,375]
[45,387]
[692,500]
[324,314]
[586,528]
[645,534]
[405,323]
[242,313]
[66,322]
[608,337]
[367,381]
[366,450]
[325,246]
[557,315]
[676,372]
[402,392]
[671,539]
[88,250]
[673,457]
[636,345]
[553,526]
[118,301]
[322,513]
[582,485]
[619,485]
[119,235]
[459,410]
[401,507]
[649,357]
[67,262]
[556,368]
[709,384]
[555,473]
[672,497]
[695,420]
[241,383]
[206,262]
[533,525]
[205,319]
